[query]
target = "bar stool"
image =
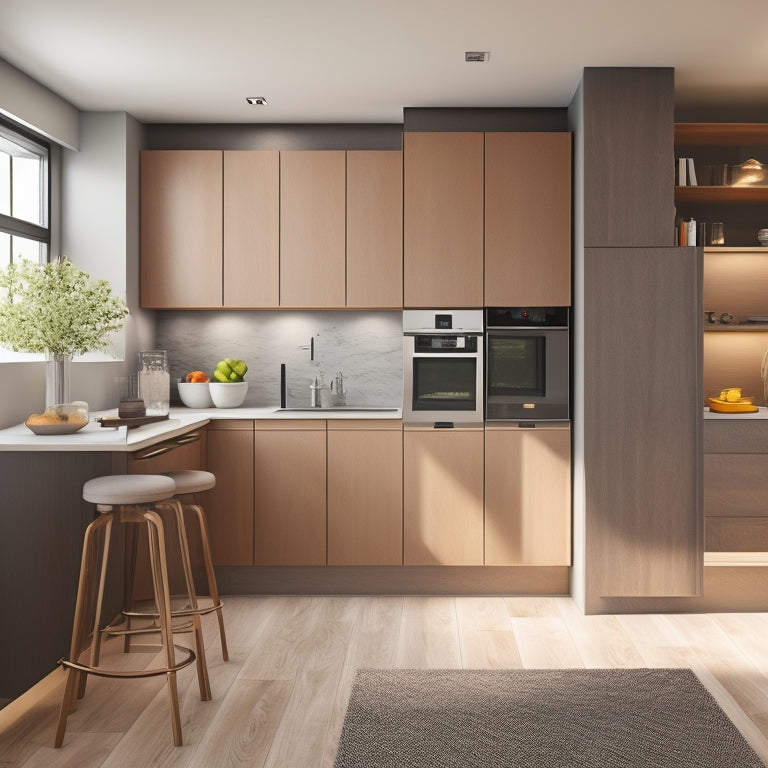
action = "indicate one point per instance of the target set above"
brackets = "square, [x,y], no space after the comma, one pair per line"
[189,482]
[123,499]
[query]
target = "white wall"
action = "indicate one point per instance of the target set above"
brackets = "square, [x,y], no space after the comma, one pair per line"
[100,225]
[31,104]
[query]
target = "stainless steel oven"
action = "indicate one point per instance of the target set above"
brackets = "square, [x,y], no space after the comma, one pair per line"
[443,367]
[527,364]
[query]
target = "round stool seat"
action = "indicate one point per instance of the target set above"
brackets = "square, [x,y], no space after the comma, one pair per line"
[192,480]
[113,490]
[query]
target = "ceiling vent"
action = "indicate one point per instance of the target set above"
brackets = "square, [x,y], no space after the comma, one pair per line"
[479,56]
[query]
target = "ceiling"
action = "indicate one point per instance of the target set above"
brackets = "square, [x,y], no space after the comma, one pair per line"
[360,61]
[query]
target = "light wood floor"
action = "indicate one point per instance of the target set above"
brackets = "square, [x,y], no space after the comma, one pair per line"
[281,698]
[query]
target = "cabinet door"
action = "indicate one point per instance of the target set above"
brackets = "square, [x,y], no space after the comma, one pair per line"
[443,497]
[528,496]
[365,494]
[312,229]
[528,219]
[374,229]
[251,229]
[443,219]
[642,423]
[181,228]
[229,506]
[290,480]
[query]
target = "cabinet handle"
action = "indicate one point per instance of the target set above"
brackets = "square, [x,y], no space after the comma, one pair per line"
[168,446]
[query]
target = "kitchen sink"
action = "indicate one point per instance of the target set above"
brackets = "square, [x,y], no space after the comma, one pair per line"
[338,409]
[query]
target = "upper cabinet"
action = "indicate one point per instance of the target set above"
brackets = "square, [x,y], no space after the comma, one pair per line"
[528,219]
[268,229]
[724,192]
[487,219]
[312,229]
[375,229]
[628,168]
[181,228]
[251,229]
[443,219]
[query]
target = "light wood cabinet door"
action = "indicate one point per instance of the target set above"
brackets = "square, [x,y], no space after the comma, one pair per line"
[251,229]
[443,497]
[365,494]
[229,506]
[181,229]
[312,228]
[443,219]
[374,229]
[528,219]
[528,496]
[290,483]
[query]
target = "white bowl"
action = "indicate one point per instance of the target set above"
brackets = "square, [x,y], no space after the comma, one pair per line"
[228,395]
[195,394]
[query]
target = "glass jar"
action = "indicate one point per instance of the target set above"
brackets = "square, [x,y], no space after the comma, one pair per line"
[155,382]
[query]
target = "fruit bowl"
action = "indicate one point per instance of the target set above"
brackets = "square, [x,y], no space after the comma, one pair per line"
[61,419]
[195,394]
[228,395]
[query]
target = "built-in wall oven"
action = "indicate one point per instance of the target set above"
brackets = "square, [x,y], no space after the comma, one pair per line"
[527,365]
[443,367]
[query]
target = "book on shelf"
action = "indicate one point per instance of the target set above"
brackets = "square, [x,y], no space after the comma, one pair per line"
[688,232]
[691,172]
[686,172]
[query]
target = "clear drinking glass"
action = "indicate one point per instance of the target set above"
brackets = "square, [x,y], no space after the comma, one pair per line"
[155,382]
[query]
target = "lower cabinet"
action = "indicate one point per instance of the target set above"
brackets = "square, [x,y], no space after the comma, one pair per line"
[311,492]
[443,496]
[365,492]
[527,495]
[229,506]
[290,492]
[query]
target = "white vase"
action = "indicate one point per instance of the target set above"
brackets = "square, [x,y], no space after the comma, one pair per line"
[56,378]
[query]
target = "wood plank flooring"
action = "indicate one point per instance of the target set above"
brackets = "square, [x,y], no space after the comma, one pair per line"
[280,700]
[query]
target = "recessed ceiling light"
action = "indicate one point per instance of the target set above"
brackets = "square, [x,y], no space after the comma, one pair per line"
[479,56]
[256,101]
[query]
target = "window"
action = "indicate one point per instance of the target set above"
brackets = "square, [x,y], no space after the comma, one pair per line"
[24,197]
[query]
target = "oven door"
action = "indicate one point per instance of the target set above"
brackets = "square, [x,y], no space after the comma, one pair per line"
[443,386]
[527,374]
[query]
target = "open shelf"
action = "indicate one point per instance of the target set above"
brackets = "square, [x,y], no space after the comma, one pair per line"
[702,194]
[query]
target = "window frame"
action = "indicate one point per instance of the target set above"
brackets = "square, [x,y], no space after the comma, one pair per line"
[19,227]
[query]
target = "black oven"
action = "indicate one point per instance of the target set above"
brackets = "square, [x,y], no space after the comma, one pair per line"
[527,364]
[443,367]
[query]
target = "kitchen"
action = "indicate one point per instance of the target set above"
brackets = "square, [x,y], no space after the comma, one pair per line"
[105,141]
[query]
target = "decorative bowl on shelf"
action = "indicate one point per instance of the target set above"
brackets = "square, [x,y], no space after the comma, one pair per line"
[195,394]
[60,419]
[229,395]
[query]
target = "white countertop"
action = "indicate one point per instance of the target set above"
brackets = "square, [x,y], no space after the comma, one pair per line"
[94,437]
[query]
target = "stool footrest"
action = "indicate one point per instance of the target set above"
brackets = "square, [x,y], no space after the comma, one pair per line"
[189,658]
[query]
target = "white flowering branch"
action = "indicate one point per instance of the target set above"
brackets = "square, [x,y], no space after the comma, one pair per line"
[57,308]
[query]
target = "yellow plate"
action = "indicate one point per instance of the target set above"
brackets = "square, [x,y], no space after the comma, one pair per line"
[722,406]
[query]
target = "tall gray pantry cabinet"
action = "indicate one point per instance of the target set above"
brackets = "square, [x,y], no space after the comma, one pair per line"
[638,352]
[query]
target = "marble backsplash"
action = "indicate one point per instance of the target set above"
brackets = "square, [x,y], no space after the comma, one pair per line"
[367,347]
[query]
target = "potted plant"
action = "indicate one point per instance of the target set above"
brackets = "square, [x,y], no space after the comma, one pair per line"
[56,309]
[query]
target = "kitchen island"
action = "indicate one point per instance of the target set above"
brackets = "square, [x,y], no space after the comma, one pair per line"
[43,518]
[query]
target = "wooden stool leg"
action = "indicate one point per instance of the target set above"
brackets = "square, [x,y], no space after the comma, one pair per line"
[213,589]
[162,599]
[197,626]
[75,678]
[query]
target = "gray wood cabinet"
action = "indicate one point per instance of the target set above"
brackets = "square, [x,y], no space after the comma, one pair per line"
[642,417]
[628,142]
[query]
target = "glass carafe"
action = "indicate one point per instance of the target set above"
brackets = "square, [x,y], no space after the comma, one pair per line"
[154,382]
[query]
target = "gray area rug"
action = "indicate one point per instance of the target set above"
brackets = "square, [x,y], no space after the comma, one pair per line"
[566,718]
